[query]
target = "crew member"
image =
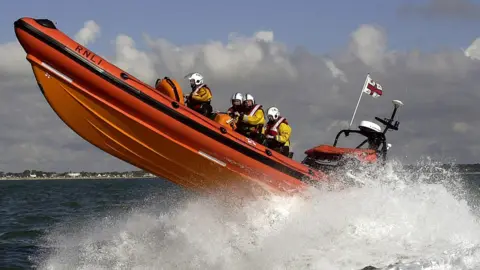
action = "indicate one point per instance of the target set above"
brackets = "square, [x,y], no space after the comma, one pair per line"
[277,132]
[251,120]
[237,108]
[201,96]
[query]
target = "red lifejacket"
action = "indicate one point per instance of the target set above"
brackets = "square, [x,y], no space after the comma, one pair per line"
[272,128]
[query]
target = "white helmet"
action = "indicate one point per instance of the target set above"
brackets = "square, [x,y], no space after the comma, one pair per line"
[273,113]
[249,96]
[195,79]
[237,96]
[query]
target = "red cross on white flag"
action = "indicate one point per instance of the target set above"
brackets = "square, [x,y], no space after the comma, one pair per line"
[372,88]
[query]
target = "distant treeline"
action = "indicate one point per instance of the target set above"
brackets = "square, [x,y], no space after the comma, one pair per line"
[140,173]
[37,173]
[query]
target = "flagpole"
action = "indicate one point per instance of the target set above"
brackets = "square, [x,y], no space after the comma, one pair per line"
[359,98]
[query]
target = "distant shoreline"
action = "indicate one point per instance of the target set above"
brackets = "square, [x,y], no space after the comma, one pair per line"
[77,178]
[121,177]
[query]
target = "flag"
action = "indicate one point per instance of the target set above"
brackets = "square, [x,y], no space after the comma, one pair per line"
[372,88]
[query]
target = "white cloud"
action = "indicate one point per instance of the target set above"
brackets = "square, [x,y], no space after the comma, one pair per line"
[88,34]
[241,57]
[460,127]
[310,90]
[337,73]
[473,51]
[128,58]
[266,36]
[13,60]
[369,43]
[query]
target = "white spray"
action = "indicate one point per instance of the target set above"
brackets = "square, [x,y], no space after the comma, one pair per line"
[398,218]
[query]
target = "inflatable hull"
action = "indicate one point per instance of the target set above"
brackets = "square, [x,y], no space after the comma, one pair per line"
[132,121]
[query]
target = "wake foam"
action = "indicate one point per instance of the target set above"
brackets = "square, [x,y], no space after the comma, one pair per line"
[408,220]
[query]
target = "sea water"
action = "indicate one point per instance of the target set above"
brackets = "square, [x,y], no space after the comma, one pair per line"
[421,219]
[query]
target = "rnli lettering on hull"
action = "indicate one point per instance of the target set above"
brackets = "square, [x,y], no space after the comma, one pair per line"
[88,54]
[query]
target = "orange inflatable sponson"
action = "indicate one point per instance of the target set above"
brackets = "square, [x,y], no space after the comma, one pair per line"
[337,150]
[150,127]
[364,154]
[170,88]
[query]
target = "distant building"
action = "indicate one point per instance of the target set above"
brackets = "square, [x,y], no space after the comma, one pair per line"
[73,174]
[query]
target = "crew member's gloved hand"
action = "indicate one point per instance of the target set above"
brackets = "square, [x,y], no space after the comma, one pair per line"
[243,117]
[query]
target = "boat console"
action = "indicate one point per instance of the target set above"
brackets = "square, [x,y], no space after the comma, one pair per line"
[327,157]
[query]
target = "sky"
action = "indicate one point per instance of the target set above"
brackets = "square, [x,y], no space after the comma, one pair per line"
[309,59]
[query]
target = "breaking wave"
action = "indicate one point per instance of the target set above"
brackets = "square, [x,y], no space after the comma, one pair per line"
[397,219]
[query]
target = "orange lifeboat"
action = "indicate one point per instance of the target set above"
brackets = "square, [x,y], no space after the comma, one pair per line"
[150,127]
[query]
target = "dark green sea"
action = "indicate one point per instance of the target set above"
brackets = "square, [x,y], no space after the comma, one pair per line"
[152,224]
